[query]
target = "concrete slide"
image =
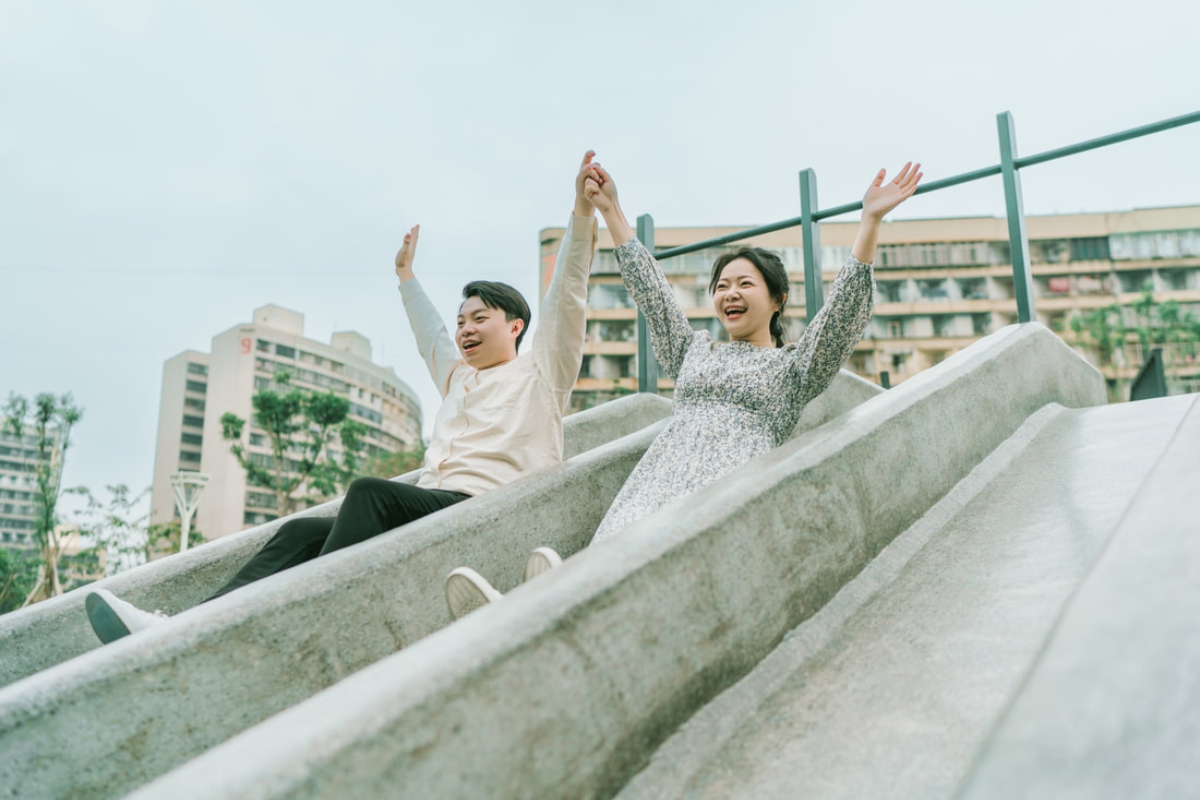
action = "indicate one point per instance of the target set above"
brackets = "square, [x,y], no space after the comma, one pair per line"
[918,598]
[107,720]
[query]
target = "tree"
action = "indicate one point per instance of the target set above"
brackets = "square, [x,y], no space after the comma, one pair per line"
[120,526]
[50,419]
[389,465]
[18,574]
[301,424]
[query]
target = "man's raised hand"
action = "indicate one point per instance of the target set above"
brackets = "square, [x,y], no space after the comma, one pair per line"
[583,206]
[404,258]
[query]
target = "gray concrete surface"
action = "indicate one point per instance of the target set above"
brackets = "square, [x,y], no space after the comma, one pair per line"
[1111,708]
[889,690]
[566,687]
[53,631]
[120,715]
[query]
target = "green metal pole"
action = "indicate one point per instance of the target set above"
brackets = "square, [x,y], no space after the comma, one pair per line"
[647,366]
[814,289]
[1018,240]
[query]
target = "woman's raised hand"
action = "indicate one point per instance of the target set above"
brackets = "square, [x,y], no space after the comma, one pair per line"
[404,258]
[882,198]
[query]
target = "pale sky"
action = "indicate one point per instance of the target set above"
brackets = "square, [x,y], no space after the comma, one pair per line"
[166,167]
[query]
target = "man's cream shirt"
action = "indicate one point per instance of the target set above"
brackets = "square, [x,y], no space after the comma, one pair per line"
[498,424]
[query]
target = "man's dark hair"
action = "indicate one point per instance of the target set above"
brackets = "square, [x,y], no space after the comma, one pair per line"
[502,297]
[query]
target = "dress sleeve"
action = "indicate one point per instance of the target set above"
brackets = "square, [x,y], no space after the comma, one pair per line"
[670,332]
[830,338]
[558,340]
[433,342]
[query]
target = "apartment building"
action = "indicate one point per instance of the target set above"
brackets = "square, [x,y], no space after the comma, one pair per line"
[199,387]
[18,487]
[941,284]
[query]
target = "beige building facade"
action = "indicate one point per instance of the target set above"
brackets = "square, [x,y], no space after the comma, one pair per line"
[941,284]
[199,387]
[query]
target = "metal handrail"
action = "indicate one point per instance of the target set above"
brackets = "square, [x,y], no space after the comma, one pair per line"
[1008,168]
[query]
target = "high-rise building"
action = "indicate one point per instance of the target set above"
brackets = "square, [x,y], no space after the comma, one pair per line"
[18,488]
[941,284]
[199,387]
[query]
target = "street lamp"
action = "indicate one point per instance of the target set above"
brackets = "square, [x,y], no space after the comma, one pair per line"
[187,487]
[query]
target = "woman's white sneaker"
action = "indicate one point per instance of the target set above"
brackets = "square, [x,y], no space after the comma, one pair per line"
[113,618]
[541,560]
[467,590]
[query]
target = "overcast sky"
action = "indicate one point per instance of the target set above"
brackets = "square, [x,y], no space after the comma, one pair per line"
[166,167]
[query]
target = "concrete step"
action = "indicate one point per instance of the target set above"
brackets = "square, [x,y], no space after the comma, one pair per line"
[113,718]
[568,686]
[889,690]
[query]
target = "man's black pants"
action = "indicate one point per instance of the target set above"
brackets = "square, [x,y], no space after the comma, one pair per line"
[372,506]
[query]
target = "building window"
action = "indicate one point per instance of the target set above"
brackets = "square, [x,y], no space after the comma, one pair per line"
[283,351]
[895,328]
[981,323]
[191,438]
[1093,248]
[257,440]
[196,386]
[193,402]
[193,422]
[197,369]
[890,291]
[263,346]
[973,288]
[187,455]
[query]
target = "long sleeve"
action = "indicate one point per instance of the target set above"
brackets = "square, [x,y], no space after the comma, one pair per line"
[558,340]
[670,333]
[830,338]
[433,342]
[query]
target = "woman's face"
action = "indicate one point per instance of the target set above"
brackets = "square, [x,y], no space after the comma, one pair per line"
[744,304]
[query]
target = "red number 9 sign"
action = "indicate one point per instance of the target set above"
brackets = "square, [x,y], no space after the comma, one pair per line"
[245,345]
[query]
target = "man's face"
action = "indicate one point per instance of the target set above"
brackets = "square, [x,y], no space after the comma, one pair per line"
[484,337]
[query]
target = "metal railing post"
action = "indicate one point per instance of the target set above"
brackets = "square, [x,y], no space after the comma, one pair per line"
[810,232]
[1018,240]
[647,366]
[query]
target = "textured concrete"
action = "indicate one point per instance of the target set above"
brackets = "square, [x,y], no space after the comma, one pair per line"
[1111,708]
[566,687]
[119,715]
[51,632]
[889,690]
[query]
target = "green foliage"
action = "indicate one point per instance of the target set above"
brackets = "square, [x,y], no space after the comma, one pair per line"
[51,419]
[300,427]
[18,575]
[389,465]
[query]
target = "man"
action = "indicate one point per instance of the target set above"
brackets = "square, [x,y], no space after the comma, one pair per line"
[500,417]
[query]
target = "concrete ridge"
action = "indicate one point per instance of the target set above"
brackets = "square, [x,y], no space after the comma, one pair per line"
[179,688]
[553,692]
[703,736]
[38,637]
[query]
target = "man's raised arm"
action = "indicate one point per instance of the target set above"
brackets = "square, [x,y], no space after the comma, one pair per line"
[433,342]
[558,340]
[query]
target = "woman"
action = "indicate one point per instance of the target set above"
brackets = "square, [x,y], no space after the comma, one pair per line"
[736,400]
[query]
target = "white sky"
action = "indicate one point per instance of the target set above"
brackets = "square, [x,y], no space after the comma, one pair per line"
[167,167]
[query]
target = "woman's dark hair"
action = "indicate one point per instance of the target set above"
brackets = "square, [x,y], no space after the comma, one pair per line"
[502,297]
[770,266]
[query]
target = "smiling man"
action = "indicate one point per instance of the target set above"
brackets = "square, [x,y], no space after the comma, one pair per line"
[500,417]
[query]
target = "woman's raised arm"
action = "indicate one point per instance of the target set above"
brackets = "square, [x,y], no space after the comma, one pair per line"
[670,332]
